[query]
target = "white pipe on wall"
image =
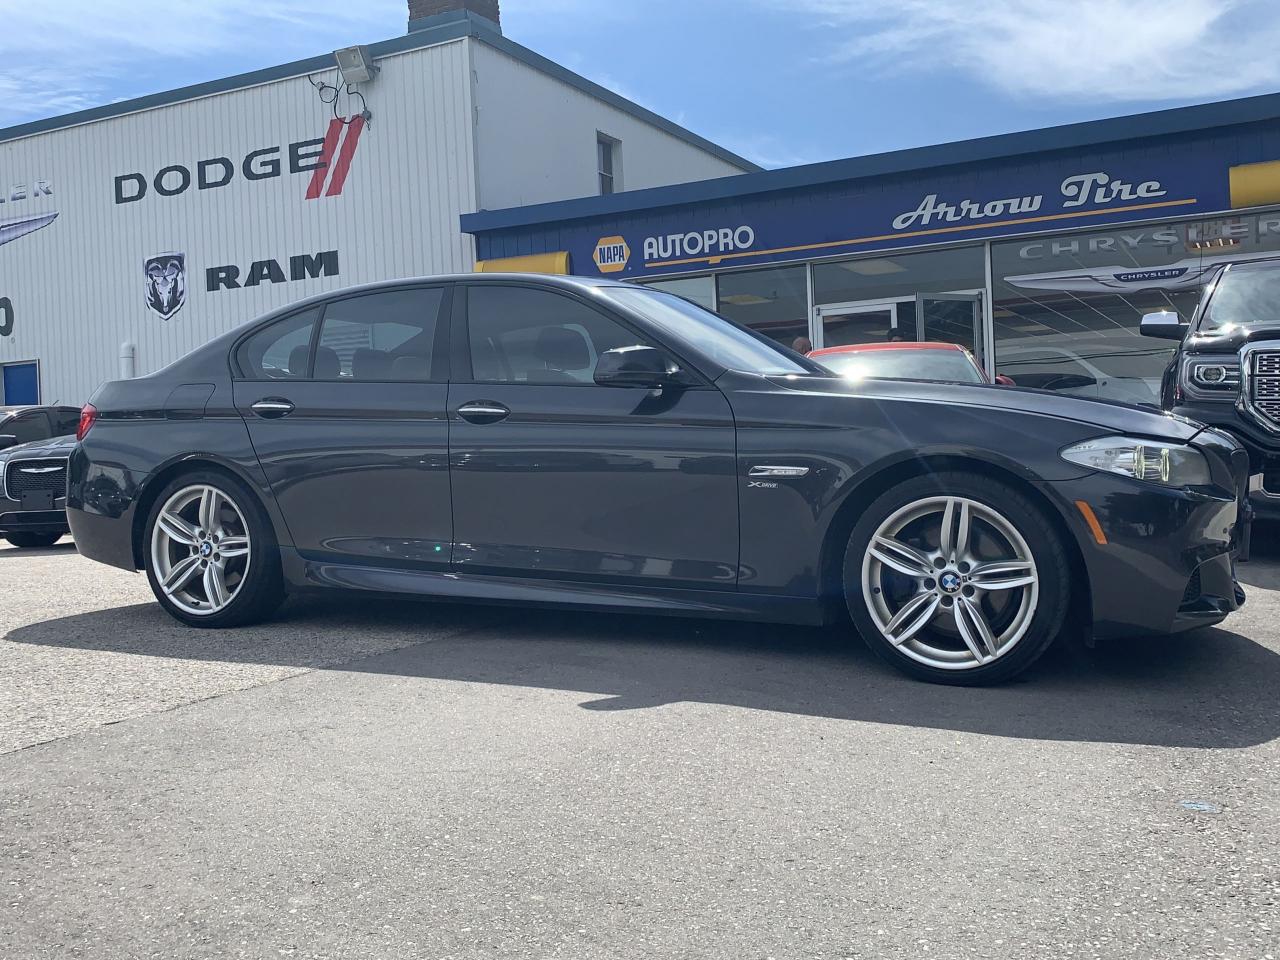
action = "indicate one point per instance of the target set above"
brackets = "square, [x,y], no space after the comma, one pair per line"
[128,360]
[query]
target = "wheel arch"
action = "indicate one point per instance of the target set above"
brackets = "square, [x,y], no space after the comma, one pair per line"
[161,478]
[877,482]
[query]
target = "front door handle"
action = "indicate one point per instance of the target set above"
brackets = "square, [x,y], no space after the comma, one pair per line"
[483,411]
[272,408]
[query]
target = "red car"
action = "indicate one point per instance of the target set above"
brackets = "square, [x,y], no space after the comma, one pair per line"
[905,361]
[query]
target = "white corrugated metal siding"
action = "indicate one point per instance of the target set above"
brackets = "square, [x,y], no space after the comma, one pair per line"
[77,285]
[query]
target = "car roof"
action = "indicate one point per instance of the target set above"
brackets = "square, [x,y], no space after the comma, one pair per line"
[901,345]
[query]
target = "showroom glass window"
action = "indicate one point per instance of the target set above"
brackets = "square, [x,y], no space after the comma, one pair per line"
[701,290]
[880,292]
[774,302]
[524,335]
[384,336]
[1067,308]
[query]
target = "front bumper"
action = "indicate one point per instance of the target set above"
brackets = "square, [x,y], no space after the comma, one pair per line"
[14,519]
[1263,447]
[1168,563]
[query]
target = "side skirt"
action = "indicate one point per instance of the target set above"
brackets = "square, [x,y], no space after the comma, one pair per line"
[306,574]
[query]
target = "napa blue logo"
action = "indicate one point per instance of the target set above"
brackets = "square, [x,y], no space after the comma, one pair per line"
[1142,276]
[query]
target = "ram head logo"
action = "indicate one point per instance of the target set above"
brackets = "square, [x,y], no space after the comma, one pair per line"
[166,280]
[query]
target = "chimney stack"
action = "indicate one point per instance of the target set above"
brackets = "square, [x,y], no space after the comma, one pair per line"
[424,9]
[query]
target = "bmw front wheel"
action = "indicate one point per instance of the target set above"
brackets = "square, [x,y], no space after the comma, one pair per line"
[954,578]
[210,556]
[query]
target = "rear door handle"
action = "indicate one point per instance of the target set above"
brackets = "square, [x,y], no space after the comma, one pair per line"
[483,411]
[272,408]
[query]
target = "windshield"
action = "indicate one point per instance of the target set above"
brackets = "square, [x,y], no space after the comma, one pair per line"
[915,364]
[1245,293]
[728,344]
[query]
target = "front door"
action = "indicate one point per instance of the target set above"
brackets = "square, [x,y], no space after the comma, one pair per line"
[21,384]
[555,476]
[844,324]
[951,318]
[345,405]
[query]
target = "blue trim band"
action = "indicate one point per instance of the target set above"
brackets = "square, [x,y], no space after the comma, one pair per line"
[1074,136]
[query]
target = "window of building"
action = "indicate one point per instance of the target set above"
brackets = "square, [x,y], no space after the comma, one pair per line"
[774,301]
[701,290]
[1067,308]
[878,295]
[607,150]
[522,335]
[387,336]
[281,351]
[900,275]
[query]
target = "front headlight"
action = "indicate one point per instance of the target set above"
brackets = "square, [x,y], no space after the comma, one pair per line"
[1211,377]
[1172,464]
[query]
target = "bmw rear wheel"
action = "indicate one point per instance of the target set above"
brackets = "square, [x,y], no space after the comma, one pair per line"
[210,556]
[956,579]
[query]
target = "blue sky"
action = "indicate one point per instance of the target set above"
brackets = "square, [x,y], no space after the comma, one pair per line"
[779,81]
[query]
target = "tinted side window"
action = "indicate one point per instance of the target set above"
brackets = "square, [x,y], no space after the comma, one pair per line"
[380,336]
[27,427]
[66,420]
[521,335]
[281,351]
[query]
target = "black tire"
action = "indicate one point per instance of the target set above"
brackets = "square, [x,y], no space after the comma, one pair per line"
[33,541]
[1047,550]
[261,591]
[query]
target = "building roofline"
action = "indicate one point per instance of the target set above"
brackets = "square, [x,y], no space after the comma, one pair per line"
[427,32]
[1072,136]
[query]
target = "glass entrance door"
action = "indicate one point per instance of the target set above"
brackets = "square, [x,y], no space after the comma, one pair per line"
[842,324]
[951,318]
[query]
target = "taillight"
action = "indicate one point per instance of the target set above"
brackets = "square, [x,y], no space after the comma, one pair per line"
[88,417]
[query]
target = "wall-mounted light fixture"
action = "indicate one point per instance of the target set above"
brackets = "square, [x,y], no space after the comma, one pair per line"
[355,64]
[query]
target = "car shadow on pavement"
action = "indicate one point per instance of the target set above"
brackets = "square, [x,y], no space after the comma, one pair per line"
[60,548]
[1210,689]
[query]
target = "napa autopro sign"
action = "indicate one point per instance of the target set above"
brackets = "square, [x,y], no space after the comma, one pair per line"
[613,254]
[836,218]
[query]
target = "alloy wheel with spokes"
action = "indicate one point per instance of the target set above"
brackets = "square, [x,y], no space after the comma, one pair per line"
[950,582]
[200,549]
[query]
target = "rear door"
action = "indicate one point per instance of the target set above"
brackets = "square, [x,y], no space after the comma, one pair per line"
[555,476]
[345,404]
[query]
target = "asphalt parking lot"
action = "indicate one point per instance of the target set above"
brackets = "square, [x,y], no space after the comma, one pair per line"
[410,780]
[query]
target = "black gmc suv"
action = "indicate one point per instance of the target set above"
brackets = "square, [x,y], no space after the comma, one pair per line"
[34,445]
[1226,371]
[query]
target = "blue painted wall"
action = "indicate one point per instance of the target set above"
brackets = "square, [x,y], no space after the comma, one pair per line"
[1175,176]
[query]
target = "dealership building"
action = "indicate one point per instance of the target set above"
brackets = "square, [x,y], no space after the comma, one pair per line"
[132,233]
[1040,251]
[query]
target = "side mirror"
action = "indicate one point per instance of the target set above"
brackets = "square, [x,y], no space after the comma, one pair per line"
[637,366]
[7,440]
[1004,381]
[1163,324]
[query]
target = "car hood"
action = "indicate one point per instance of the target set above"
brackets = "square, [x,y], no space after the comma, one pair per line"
[51,447]
[1107,415]
[1231,338]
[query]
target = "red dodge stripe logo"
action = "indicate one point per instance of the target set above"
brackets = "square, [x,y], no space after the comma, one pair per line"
[342,138]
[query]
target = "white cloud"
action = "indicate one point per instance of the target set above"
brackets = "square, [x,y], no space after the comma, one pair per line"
[65,56]
[1103,50]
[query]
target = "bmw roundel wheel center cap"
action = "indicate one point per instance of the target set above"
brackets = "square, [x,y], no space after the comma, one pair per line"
[950,581]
